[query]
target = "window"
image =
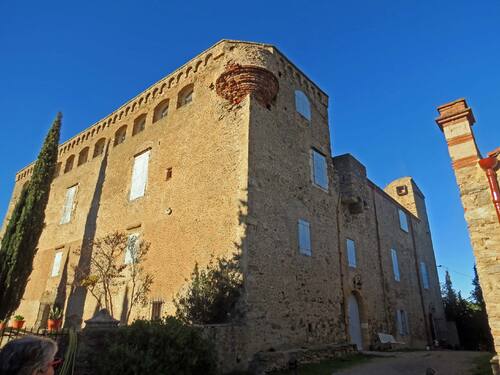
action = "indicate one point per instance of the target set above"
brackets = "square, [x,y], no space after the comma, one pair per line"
[131,250]
[185,96]
[351,253]
[302,104]
[69,164]
[120,135]
[319,170]
[83,156]
[403,220]
[69,203]
[304,237]
[424,274]
[161,110]
[139,124]
[56,266]
[395,265]
[402,322]
[99,147]
[139,175]
[156,307]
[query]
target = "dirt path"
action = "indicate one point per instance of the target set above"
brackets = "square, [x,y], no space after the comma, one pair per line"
[416,363]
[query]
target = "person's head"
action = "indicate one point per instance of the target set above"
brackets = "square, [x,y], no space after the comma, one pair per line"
[29,355]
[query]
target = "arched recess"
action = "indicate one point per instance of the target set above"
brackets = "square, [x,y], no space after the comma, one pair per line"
[185,96]
[99,147]
[354,319]
[161,110]
[83,156]
[69,164]
[139,124]
[120,135]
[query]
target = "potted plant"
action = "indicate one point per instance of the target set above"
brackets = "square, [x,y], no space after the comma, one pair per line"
[55,319]
[18,322]
[3,324]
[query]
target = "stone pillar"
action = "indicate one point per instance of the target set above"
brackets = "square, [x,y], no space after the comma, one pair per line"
[456,120]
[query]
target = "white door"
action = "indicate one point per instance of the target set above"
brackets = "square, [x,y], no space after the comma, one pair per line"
[354,323]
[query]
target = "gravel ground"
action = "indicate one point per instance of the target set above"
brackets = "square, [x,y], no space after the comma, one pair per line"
[417,363]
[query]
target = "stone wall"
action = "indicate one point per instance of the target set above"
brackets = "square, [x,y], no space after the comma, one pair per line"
[456,121]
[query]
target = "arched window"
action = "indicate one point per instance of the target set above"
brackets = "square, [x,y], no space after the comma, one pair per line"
[161,110]
[139,124]
[120,135]
[83,156]
[302,104]
[69,164]
[99,147]
[185,95]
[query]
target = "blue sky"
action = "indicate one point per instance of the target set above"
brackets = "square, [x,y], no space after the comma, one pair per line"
[386,66]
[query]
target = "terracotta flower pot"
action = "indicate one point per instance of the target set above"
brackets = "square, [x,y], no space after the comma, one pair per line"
[54,324]
[17,324]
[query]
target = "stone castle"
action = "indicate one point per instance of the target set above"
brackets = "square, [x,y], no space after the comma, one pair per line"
[231,153]
[479,191]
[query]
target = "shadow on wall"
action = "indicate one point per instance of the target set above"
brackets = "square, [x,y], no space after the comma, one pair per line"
[78,294]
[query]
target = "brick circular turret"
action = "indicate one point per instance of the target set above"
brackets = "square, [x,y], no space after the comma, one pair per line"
[240,80]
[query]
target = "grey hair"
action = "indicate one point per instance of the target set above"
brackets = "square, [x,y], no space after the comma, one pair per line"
[27,355]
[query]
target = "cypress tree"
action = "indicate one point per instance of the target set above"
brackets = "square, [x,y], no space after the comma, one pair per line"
[18,246]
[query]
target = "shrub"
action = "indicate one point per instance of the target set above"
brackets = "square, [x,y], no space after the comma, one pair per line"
[212,294]
[157,347]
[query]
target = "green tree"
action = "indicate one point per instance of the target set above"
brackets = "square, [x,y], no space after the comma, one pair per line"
[481,316]
[450,298]
[18,246]
[212,294]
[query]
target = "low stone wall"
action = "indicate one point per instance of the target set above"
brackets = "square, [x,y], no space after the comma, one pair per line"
[265,362]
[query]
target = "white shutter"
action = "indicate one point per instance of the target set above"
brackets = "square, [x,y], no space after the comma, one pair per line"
[320,175]
[302,104]
[425,275]
[351,253]
[304,237]
[57,264]
[131,250]
[139,175]
[395,265]
[68,204]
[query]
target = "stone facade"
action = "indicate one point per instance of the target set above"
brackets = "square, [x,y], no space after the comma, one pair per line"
[231,169]
[481,205]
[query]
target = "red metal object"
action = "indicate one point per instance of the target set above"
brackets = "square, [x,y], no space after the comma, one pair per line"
[488,165]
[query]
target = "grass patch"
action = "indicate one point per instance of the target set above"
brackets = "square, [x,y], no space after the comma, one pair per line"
[482,364]
[327,367]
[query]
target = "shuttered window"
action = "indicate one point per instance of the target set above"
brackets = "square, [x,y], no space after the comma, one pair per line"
[139,175]
[424,274]
[403,220]
[304,237]
[395,265]
[69,203]
[319,170]
[131,250]
[402,322]
[57,264]
[351,253]
[302,104]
